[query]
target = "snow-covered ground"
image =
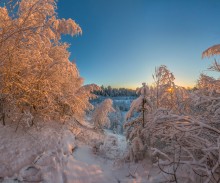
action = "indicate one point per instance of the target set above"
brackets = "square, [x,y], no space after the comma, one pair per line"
[53,154]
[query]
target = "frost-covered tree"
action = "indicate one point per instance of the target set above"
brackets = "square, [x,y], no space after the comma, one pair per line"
[186,144]
[208,84]
[100,116]
[163,84]
[162,98]
[136,120]
[36,77]
[141,104]
[116,120]
[212,51]
[208,96]
[183,141]
[165,93]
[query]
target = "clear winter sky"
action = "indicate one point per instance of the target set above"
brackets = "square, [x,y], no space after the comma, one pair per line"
[124,40]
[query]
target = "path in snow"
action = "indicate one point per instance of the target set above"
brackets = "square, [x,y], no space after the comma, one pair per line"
[94,168]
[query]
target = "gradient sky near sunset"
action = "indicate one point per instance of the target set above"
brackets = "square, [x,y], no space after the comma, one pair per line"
[124,40]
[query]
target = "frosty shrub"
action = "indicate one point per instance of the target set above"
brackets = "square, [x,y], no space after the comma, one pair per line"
[208,84]
[100,116]
[36,77]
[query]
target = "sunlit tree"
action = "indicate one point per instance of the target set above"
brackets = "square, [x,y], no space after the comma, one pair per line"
[100,116]
[164,85]
[36,76]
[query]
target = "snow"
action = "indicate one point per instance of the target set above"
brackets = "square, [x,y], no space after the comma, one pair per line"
[104,170]
[52,154]
[36,155]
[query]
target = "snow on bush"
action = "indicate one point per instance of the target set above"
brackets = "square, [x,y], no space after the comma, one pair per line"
[181,131]
[110,147]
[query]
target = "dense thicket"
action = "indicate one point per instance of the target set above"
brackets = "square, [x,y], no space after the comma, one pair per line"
[178,129]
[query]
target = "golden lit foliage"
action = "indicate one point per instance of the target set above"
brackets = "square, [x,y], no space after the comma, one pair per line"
[35,72]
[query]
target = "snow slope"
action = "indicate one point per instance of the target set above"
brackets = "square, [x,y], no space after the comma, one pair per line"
[36,155]
[106,166]
[52,154]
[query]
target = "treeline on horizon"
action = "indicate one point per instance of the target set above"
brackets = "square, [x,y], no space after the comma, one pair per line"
[115,92]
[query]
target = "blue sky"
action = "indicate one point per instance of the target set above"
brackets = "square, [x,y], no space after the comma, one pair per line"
[124,40]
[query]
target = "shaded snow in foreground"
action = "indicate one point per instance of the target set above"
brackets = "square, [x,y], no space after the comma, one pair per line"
[52,155]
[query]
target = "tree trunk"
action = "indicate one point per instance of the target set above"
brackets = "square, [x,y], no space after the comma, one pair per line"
[143,110]
[3,118]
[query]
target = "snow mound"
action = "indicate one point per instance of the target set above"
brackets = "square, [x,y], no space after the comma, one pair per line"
[113,146]
[36,155]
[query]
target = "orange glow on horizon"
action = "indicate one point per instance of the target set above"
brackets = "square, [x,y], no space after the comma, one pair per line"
[134,86]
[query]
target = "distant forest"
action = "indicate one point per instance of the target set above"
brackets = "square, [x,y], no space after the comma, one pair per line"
[115,92]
